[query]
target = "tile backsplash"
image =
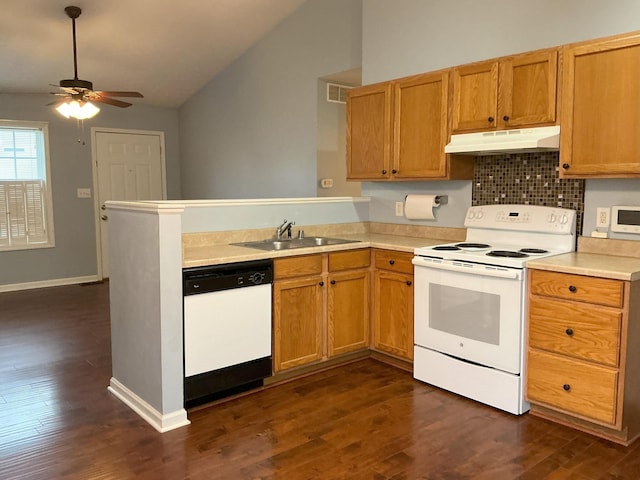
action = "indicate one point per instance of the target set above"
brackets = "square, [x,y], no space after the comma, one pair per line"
[526,179]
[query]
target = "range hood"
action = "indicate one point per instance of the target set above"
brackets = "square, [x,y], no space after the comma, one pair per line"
[504,141]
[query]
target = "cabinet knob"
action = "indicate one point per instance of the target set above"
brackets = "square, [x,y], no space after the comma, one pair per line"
[573,289]
[505,118]
[332,282]
[490,119]
[408,283]
[565,166]
[569,331]
[384,172]
[104,217]
[392,262]
[321,284]
[394,171]
[566,387]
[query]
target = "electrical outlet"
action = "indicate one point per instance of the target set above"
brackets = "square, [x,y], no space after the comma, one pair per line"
[602,217]
[399,209]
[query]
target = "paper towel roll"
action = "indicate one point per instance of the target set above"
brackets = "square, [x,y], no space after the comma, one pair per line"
[420,207]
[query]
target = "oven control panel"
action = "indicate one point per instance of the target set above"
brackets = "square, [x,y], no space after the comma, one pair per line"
[522,217]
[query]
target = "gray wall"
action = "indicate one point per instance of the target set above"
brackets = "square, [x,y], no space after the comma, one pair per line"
[251,132]
[332,147]
[74,254]
[405,37]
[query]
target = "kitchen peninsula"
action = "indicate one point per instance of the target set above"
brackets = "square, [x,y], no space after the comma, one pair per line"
[151,242]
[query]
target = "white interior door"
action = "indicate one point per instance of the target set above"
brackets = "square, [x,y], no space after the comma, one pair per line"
[129,167]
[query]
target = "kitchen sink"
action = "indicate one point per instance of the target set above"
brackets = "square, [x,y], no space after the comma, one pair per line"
[289,243]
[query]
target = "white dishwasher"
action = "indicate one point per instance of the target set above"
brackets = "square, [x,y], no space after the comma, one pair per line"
[227,329]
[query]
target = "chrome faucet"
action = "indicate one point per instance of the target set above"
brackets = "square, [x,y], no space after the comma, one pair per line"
[285,227]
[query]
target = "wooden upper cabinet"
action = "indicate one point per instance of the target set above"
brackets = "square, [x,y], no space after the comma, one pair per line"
[510,92]
[527,89]
[369,132]
[398,131]
[600,126]
[475,96]
[420,126]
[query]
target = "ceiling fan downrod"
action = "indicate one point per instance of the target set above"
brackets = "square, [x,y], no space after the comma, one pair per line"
[73,13]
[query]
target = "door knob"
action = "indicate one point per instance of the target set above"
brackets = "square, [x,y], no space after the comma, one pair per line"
[104,217]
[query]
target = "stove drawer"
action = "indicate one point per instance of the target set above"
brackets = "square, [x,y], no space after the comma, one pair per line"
[601,291]
[573,386]
[583,331]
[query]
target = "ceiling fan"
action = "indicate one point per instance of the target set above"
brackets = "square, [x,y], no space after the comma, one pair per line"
[81,91]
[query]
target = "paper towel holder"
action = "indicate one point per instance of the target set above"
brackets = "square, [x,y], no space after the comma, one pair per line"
[439,200]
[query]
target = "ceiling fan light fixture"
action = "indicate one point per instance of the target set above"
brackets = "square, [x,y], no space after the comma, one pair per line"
[77,109]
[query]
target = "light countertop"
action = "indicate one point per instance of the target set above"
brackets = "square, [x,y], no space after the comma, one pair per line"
[590,264]
[197,256]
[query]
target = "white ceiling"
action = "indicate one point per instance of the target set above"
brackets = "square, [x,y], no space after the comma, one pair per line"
[166,49]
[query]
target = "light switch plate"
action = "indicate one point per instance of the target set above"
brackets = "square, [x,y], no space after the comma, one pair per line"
[84,193]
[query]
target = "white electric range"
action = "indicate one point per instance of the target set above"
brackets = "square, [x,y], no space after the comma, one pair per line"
[469,300]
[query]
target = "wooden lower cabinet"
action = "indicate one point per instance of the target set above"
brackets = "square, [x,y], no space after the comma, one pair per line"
[320,307]
[583,353]
[393,303]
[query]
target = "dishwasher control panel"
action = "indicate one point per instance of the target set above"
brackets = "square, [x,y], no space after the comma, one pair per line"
[224,277]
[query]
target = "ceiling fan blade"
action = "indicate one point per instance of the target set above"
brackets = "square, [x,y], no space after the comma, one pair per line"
[60,101]
[120,94]
[110,101]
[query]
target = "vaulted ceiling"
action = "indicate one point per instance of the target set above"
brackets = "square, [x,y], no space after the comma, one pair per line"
[166,49]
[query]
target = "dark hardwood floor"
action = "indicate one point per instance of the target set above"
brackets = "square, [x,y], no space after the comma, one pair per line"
[365,420]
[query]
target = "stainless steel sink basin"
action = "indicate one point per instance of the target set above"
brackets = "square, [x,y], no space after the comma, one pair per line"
[289,243]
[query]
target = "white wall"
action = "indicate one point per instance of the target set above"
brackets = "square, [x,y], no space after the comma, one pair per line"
[405,37]
[251,132]
[74,255]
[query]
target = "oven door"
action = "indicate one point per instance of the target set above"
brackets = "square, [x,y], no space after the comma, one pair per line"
[470,311]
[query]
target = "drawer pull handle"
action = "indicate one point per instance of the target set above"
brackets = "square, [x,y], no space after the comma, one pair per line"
[573,289]
[392,262]
[569,331]
[566,387]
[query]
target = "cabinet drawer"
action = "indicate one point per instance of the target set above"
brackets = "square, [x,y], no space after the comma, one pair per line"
[602,291]
[579,330]
[393,261]
[573,386]
[297,266]
[349,260]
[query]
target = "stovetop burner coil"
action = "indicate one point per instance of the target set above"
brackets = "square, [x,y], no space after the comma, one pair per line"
[538,251]
[506,253]
[472,245]
[446,248]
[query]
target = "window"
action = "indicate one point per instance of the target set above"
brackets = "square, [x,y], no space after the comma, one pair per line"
[26,218]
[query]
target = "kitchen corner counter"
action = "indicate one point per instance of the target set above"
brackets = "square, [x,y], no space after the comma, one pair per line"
[591,264]
[218,254]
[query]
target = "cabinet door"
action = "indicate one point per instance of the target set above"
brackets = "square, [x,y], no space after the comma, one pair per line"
[393,313]
[527,89]
[600,121]
[369,132]
[297,322]
[475,97]
[420,126]
[348,312]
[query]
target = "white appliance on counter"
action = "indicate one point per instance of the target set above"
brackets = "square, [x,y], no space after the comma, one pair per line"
[469,300]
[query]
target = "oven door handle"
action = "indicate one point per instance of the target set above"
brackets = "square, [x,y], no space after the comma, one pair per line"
[474,270]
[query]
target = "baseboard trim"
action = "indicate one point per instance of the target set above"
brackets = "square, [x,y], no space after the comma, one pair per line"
[48,283]
[162,423]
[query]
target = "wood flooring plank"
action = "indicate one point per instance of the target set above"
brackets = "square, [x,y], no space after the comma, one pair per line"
[365,420]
